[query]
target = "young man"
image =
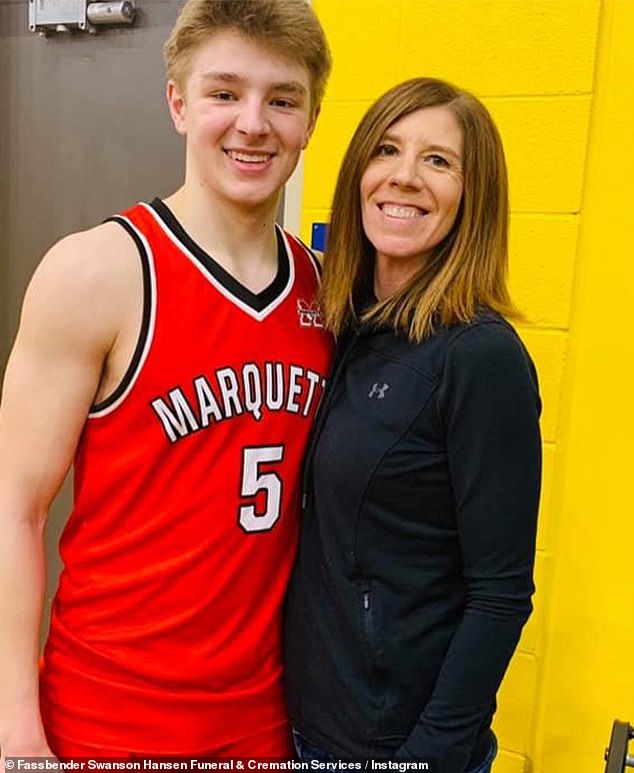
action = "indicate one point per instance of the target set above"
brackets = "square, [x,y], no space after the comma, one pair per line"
[176,354]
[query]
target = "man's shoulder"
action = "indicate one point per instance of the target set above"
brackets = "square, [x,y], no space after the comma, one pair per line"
[86,261]
[84,281]
[97,249]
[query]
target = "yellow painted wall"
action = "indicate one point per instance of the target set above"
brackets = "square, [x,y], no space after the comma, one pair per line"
[588,674]
[554,74]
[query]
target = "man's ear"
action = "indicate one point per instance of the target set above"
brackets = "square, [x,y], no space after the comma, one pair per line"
[177,106]
[311,126]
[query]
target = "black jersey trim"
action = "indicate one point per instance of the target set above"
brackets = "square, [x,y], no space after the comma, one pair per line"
[134,365]
[259,302]
[311,254]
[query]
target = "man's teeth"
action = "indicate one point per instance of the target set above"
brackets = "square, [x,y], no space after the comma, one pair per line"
[392,210]
[249,158]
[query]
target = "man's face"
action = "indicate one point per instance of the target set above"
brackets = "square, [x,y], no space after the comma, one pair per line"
[246,113]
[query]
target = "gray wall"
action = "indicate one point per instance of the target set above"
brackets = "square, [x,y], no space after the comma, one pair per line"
[84,132]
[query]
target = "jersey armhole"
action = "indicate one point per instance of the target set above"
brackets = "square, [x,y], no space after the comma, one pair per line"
[315,260]
[147,322]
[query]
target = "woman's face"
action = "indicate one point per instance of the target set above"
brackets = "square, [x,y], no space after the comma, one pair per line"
[412,188]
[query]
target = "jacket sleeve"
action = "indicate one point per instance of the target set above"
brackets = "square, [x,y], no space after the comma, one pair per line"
[489,406]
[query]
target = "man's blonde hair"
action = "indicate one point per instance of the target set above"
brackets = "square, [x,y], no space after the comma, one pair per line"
[290,28]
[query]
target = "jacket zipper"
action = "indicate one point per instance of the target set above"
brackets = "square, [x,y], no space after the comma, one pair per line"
[367,605]
[368,617]
[321,413]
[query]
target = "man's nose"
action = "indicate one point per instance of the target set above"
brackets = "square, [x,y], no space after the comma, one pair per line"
[252,118]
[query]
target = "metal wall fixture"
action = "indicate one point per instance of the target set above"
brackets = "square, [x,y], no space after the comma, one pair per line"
[63,16]
[616,755]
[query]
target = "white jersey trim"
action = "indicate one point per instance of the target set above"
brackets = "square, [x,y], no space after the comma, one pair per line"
[313,259]
[131,378]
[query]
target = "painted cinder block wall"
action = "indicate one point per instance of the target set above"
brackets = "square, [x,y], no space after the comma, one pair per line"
[537,65]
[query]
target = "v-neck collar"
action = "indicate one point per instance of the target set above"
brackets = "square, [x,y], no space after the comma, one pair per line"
[257,305]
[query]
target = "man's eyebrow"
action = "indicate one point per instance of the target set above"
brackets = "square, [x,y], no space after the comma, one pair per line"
[289,87]
[228,77]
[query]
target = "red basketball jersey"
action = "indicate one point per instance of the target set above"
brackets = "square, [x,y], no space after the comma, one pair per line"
[165,633]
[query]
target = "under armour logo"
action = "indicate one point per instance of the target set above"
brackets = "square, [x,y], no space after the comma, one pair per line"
[378,390]
[309,314]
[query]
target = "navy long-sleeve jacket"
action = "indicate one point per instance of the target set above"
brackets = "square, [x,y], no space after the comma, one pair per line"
[414,574]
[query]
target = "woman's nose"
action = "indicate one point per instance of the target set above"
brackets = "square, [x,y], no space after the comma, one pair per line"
[407,173]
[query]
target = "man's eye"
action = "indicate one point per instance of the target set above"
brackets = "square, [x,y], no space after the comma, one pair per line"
[282,102]
[223,96]
[385,150]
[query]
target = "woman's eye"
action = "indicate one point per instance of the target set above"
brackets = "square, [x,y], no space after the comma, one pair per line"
[385,150]
[438,161]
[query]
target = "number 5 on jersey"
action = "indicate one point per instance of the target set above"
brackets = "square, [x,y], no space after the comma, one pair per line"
[254,480]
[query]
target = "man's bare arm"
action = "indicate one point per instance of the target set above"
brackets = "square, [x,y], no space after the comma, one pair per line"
[71,320]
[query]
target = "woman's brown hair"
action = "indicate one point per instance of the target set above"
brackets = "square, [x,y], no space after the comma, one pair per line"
[467,270]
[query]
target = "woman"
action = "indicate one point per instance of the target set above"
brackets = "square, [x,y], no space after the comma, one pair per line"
[414,576]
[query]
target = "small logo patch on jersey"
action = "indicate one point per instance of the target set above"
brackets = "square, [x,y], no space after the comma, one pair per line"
[378,391]
[309,314]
